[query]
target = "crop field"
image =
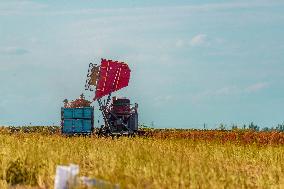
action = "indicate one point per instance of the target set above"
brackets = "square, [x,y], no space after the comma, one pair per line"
[159,159]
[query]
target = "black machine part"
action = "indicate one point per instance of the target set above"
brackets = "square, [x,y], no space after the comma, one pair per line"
[120,118]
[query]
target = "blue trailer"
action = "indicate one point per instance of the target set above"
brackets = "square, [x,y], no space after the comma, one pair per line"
[77,121]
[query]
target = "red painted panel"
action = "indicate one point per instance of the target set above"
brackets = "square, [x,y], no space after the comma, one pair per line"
[114,75]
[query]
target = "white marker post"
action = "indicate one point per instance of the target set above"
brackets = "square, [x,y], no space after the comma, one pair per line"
[66,176]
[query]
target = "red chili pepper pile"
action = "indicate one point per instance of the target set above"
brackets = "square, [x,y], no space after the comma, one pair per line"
[78,103]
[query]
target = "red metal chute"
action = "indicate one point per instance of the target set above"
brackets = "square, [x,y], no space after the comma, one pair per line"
[113,76]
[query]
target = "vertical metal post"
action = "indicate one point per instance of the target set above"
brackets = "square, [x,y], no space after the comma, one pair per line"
[108,100]
[103,110]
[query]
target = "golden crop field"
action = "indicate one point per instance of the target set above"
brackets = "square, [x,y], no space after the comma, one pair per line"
[160,159]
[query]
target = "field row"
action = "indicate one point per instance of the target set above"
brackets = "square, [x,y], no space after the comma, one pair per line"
[239,136]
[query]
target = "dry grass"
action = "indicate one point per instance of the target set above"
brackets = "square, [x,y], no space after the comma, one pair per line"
[141,162]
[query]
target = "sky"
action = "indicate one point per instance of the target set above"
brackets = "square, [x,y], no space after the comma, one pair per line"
[192,62]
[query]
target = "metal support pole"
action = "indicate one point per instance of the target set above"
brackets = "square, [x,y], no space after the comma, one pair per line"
[103,109]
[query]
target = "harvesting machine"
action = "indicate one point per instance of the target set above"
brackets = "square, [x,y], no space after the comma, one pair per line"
[120,117]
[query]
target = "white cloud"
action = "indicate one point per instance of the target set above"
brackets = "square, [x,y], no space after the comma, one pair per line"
[13,51]
[230,91]
[256,87]
[172,9]
[224,91]
[163,99]
[199,40]
[180,43]
[18,7]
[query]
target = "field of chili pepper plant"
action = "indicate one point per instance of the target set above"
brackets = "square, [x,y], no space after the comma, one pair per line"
[158,159]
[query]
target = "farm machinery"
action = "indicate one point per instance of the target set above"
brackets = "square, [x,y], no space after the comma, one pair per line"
[119,115]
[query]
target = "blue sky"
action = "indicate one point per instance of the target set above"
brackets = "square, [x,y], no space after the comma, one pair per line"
[192,62]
